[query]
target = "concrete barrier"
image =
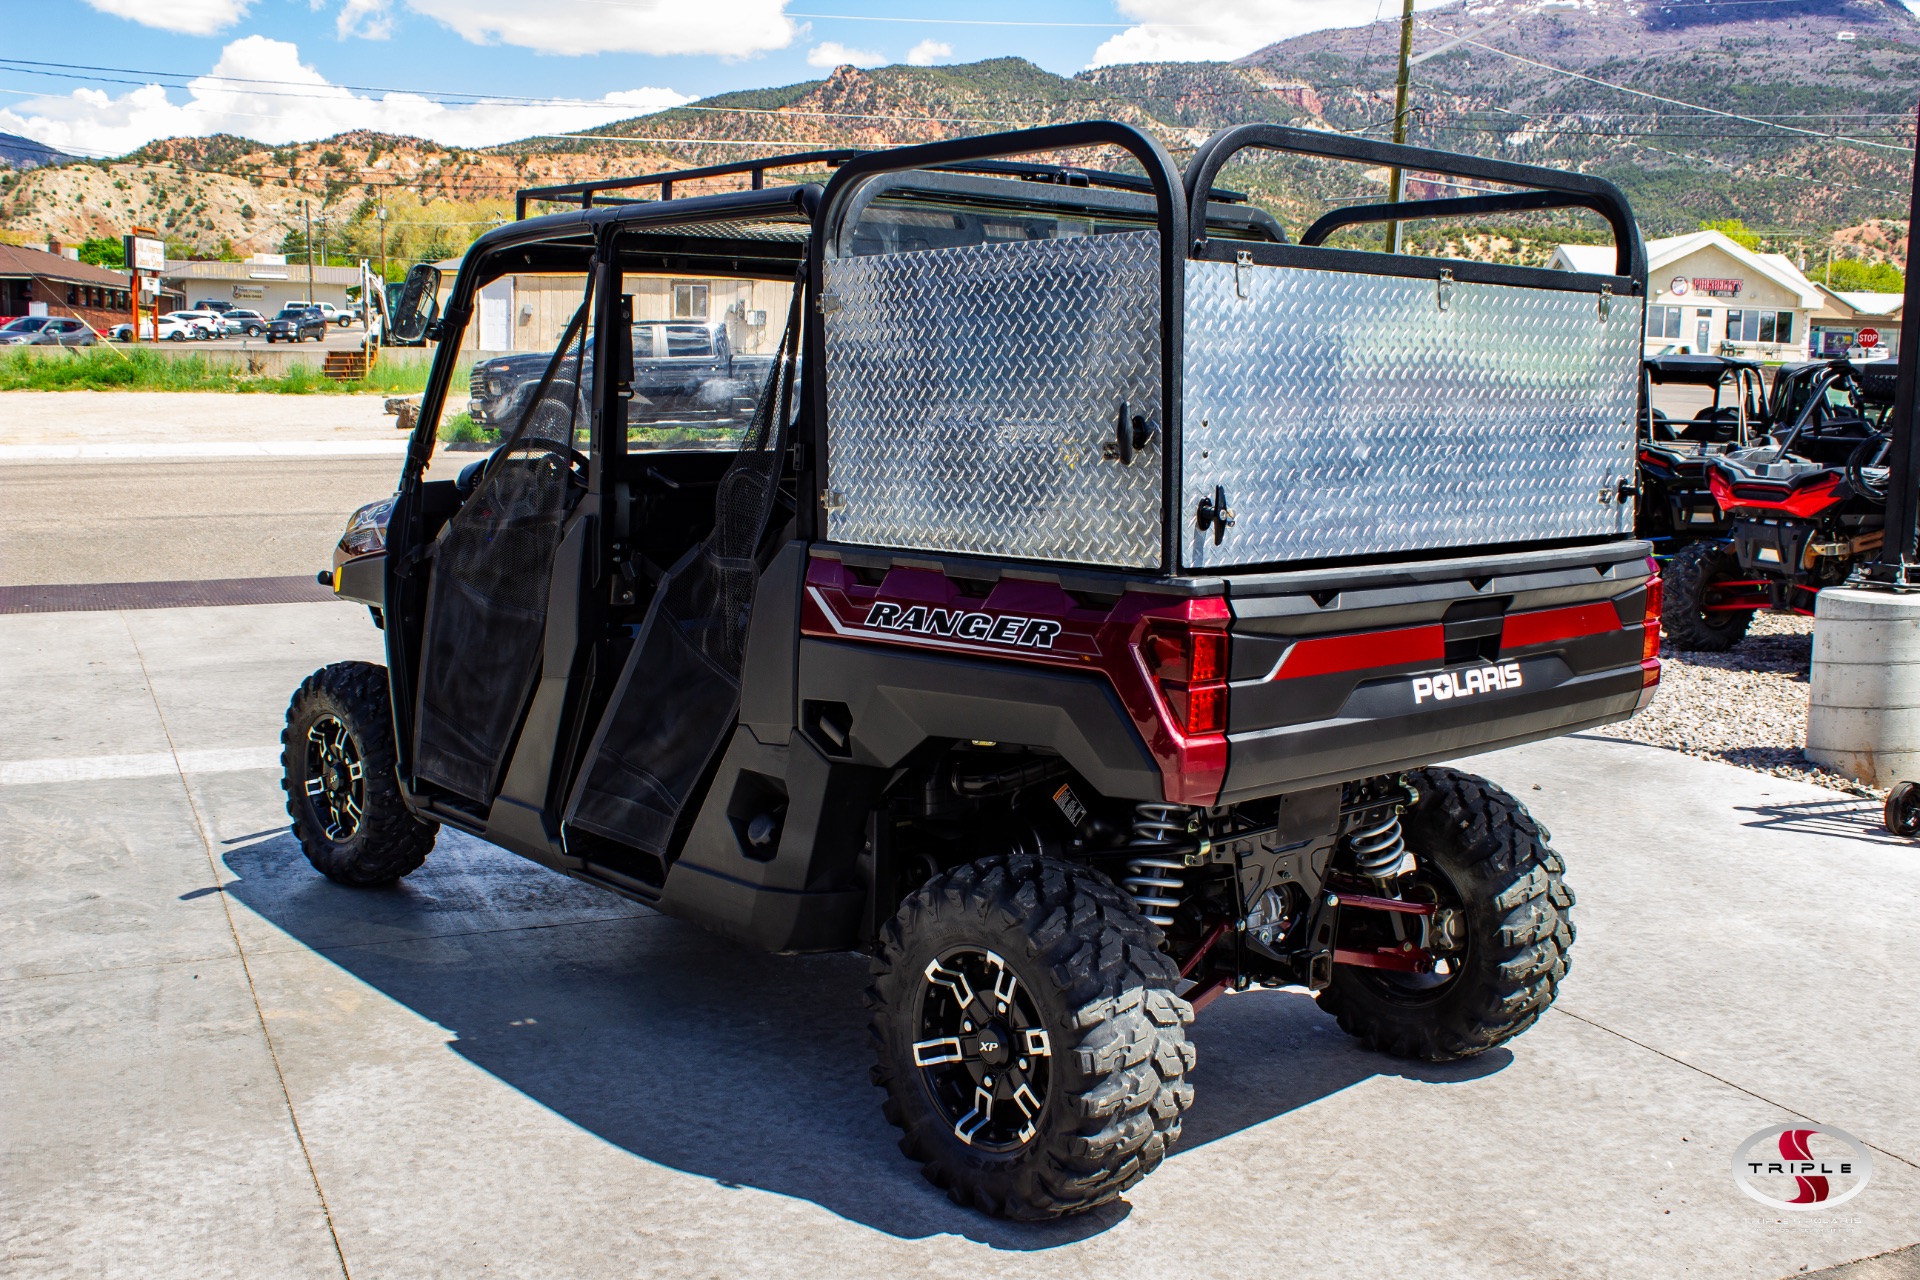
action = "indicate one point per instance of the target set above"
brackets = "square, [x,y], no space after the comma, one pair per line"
[1863,712]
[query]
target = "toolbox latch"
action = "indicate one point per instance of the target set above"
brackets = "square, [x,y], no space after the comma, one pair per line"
[1214,514]
[1606,301]
[1242,266]
[827,303]
[1443,292]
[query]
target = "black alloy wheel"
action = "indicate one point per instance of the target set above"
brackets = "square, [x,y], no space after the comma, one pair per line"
[338,771]
[983,1053]
[1032,1048]
[336,784]
[1504,907]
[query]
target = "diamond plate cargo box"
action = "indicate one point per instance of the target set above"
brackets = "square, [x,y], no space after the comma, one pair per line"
[971,393]
[1351,415]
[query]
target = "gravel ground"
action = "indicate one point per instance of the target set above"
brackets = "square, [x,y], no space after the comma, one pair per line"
[1747,707]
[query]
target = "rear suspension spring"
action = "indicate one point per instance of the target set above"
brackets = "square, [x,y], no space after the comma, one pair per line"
[1378,845]
[1157,882]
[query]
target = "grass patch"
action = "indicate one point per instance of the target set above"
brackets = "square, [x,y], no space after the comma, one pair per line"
[460,428]
[111,369]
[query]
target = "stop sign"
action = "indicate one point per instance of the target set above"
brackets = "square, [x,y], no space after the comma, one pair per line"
[1869,338]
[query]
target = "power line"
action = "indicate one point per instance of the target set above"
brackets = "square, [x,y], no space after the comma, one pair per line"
[1642,93]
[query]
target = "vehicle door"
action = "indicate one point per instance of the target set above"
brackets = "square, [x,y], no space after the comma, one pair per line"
[486,614]
[704,513]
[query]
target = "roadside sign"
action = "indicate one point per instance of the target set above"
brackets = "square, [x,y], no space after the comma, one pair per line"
[1869,338]
[146,255]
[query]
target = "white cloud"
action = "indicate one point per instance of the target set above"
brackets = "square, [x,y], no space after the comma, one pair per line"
[832,54]
[729,28]
[367,19]
[300,106]
[928,52]
[189,17]
[1181,31]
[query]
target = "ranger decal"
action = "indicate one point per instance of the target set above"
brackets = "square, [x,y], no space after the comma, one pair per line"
[994,628]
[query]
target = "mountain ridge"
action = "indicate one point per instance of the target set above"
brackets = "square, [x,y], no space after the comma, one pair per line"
[1583,90]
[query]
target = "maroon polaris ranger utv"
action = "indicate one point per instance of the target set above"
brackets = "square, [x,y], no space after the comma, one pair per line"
[1077,627]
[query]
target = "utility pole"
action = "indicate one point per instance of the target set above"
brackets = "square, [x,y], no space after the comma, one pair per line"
[382,215]
[306,211]
[1394,179]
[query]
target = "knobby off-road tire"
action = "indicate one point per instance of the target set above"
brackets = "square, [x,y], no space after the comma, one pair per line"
[337,768]
[1086,973]
[1683,616]
[1485,846]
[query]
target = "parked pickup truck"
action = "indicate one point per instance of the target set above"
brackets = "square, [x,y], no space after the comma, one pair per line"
[683,372]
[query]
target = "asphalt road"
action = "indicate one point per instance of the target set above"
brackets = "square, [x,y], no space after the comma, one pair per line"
[156,521]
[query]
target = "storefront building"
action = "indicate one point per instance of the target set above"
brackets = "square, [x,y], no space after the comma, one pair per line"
[1846,322]
[35,282]
[265,283]
[1710,296]
[531,312]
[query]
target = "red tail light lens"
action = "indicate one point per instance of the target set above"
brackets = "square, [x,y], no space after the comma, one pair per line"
[1190,666]
[1650,635]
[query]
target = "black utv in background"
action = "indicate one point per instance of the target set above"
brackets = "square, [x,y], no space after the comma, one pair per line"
[1676,507]
[1078,626]
[1801,505]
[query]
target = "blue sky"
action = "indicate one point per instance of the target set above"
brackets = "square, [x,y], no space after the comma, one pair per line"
[287,70]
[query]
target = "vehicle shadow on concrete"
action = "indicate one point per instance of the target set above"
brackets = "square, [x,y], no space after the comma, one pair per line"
[727,1063]
[1846,819]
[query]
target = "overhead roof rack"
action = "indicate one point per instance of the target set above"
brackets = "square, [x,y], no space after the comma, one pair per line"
[587,194]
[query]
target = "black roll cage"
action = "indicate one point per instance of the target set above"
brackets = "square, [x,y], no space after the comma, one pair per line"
[1180,212]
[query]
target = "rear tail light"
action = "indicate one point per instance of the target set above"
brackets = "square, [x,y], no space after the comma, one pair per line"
[1188,660]
[1650,634]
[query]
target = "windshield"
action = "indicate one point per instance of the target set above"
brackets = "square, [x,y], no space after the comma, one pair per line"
[31,324]
[290,313]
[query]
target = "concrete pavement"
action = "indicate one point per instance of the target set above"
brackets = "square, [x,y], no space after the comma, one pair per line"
[218,1063]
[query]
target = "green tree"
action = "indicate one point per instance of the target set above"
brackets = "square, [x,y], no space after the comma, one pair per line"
[103,251]
[1850,275]
[1734,229]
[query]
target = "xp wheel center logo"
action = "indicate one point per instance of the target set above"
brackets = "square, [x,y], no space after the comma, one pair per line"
[1802,1166]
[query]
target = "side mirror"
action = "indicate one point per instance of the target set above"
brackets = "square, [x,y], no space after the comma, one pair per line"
[419,302]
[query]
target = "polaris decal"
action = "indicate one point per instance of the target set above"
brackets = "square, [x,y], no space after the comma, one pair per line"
[994,628]
[1465,684]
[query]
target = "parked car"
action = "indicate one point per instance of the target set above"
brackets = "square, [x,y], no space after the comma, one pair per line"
[213,304]
[169,330]
[46,331]
[335,315]
[297,322]
[250,323]
[199,324]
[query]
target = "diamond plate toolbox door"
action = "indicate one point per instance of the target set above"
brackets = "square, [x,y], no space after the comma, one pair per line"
[972,393]
[1345,414]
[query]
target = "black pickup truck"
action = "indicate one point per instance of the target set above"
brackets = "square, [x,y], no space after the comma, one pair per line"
[684,373]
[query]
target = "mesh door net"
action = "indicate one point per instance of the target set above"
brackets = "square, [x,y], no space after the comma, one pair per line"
[487,602]
[680,690]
